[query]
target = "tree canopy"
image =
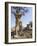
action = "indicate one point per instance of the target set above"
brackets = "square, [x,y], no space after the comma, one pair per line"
[21,10]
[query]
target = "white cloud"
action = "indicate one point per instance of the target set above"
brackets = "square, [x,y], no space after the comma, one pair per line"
[24,25]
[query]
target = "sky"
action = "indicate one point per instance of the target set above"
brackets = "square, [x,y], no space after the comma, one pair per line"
[25,19]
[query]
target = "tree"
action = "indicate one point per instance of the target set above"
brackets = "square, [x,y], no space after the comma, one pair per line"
[18,12]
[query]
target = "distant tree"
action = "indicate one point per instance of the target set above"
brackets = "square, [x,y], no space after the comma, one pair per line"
[31,24]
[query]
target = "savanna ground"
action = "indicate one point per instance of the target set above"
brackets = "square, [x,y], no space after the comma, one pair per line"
[23,34]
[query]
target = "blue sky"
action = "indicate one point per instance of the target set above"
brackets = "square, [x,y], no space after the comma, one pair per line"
[25,19]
